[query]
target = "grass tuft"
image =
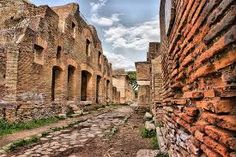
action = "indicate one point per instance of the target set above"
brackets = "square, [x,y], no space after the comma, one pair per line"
[146,133]
[154,143]
[23,142]
[9,128]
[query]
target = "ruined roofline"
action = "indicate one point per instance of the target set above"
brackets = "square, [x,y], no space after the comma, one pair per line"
[74,9]
[94,32]
[70,8]
[48,10]
[143,62]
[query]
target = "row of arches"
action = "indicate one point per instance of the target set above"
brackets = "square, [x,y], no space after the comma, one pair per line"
[86,85]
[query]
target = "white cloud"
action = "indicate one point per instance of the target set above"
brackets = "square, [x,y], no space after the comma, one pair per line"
[105,21]
[98,5]
[119,61]
[135,37]
[102,20]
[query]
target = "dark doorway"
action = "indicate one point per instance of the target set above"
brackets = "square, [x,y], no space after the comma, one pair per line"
[71,83]
[86,76]
[107,89]
[56,82]
[98,88]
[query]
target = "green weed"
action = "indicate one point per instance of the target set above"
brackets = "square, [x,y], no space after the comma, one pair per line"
[146,133]
[9,128]
[22,143]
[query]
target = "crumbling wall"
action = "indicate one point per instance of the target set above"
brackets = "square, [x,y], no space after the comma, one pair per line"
[44,52]
[199,71]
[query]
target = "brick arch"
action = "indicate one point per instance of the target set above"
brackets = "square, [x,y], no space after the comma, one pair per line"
[85,67]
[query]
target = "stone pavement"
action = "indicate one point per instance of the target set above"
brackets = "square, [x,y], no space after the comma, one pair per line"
[59,142]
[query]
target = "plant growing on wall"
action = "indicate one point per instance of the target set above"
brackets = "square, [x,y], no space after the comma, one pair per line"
[133,81]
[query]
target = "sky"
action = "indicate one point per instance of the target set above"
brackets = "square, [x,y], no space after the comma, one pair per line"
[125,27]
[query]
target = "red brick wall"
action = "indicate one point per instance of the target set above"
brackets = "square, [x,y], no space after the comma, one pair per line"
[199,74]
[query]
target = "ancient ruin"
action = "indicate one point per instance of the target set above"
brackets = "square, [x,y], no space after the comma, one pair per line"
[52,63]
[51,59]
[193,78]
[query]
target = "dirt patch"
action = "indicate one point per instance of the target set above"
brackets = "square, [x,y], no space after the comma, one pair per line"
[125,143]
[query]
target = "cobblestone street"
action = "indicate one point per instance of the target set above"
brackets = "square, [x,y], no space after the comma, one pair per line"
[68,142]
[103,78]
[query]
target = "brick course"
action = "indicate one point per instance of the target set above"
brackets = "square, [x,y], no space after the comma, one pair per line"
[198,73]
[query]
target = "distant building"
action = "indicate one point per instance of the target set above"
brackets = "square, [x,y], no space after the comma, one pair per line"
[122,83]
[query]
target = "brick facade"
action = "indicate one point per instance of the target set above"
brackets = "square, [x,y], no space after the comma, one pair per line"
[198,65]
[149,76]
[50,59]
[143,71]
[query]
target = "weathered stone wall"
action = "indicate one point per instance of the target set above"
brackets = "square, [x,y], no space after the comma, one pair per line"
[143,71]
[199,70]
[54,60]
[121,82]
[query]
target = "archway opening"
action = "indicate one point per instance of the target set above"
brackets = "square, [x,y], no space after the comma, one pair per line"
[56,83]
[71,83]
[98,88]
[107,89]
[85,85]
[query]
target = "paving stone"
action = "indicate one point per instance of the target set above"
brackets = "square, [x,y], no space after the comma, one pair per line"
[150,126]
[83,140]
[147,153]
[62,149]
[91,135]
[73,138]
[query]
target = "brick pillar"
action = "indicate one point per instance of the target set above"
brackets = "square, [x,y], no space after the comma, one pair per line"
[11,73]
[94,87]
[103,91]
[78,85]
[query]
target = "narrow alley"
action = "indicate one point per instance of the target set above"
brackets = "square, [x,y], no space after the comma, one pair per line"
[112,131]
[118,78]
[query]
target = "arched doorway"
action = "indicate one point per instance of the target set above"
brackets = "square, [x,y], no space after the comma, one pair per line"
[56,87]
[71,83]
[85,85]
[107,90]
[98,88]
